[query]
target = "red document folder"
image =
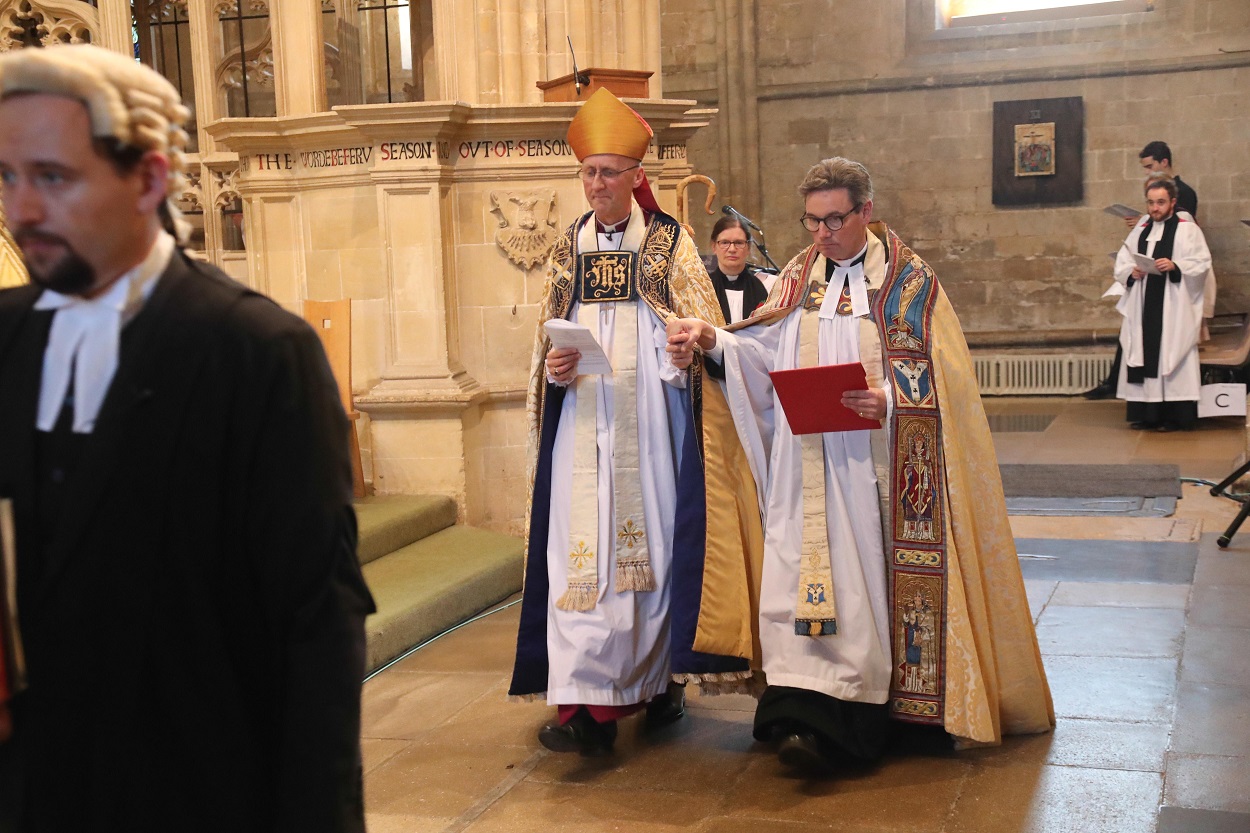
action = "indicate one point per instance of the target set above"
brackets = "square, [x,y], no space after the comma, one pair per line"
[812,398]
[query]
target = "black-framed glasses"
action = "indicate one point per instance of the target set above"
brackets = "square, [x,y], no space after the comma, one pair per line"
[833,222]
[607,174]
[733,244]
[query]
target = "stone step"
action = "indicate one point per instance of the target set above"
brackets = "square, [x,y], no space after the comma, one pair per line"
[435,583]
[391,522]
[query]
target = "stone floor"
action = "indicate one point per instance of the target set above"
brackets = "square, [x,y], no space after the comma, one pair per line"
[1143,623]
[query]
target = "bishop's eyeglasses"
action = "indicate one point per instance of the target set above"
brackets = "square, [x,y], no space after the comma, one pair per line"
[833,222]
[607,174]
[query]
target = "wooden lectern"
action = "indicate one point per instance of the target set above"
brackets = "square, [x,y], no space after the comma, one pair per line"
[623,83]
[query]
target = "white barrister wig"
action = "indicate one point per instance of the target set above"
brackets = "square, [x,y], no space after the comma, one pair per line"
[125,99]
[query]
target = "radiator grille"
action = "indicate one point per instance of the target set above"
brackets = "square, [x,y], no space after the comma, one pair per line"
[1020,374]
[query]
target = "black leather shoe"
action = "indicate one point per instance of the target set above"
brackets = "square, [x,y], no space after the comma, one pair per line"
[802,751]
[667,708]
[1143,426]
[1103,391]
[581,734]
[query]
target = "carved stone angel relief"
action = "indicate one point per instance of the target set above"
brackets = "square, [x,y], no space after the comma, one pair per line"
[527,224]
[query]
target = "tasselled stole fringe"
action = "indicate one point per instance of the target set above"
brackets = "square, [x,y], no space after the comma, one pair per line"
[815,611]
[815,607]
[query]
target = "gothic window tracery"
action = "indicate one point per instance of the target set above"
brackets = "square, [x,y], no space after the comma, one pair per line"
[163,42]
[245,70]
[228,205]
[45,23]
[378,51]
[191,204]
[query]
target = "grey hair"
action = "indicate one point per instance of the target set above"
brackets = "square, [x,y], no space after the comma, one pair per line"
[1161,180]
[830,174]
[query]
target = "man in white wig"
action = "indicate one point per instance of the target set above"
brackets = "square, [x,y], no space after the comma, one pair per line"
[191,607]
[617,523]
[889,586]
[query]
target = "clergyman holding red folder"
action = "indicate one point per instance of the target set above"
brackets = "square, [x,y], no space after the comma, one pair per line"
[874,599]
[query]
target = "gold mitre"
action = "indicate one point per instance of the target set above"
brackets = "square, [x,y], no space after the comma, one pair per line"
[124,99]
[605,124]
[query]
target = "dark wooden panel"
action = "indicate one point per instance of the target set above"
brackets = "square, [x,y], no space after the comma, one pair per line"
[1067,184]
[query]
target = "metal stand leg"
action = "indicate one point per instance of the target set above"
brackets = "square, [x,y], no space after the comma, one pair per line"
[1220,490]
[1224,539]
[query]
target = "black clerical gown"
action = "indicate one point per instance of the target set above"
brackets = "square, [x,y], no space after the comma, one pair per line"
[753,291]
[193,617]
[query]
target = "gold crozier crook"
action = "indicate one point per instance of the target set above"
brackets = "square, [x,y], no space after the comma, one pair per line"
[681,199]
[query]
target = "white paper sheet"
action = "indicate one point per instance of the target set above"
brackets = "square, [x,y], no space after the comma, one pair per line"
[1145,263]
[570,334]
[1121,210]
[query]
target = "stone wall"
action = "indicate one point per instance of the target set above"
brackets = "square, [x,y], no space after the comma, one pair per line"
[881,83]
[435,220]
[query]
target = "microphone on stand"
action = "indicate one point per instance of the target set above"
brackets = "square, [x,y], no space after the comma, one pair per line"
[733,212]
[730,211]
[579,78]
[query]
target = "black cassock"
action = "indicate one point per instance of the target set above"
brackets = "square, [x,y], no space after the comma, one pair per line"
[753,292]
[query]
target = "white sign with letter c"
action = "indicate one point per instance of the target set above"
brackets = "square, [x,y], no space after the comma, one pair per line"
[1223,399]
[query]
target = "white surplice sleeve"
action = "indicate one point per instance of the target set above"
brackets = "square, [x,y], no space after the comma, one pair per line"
[747,356]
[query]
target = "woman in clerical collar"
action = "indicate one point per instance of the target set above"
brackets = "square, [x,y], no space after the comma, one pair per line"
[738,286]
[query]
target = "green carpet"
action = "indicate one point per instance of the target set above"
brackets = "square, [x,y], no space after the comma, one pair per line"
[435,583]
[389,522]
[426,573]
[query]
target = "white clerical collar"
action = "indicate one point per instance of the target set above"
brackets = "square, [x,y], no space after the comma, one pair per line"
[850,261]
[1157,227]
[612,228]
[590,239]
[611,235]
[851,272]
[732,278]
[85,339]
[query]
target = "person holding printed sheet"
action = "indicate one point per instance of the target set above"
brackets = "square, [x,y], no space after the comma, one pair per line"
[1162,309]
[618,491]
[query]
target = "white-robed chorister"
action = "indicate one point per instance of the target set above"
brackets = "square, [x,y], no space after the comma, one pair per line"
[1178,376]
